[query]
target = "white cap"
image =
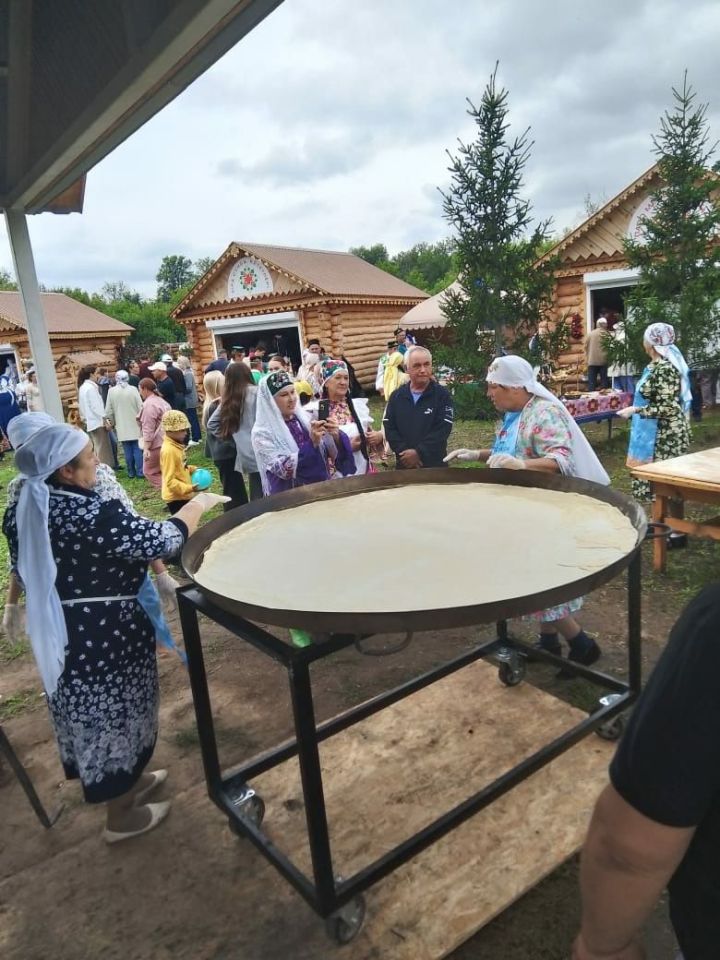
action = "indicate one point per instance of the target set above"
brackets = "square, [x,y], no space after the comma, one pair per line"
[166,358]
[158,366]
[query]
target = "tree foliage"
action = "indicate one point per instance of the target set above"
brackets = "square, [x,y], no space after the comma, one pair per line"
[504,296]
[677,253]
[6,280]
[175,273]
[428,266]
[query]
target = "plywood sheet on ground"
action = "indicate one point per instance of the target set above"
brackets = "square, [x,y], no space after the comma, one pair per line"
[385,778]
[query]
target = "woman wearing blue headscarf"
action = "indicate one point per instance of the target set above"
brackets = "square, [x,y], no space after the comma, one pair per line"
[660,427]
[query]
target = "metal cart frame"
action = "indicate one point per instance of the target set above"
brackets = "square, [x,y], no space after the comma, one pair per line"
[339,900]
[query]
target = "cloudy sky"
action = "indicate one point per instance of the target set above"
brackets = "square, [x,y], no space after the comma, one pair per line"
[327,127]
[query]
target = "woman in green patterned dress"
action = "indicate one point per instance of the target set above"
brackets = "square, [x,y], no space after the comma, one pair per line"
[660,426]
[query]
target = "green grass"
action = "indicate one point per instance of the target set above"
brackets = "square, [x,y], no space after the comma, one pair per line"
[19,703]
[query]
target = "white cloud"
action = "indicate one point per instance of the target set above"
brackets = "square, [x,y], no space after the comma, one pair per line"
[328,126]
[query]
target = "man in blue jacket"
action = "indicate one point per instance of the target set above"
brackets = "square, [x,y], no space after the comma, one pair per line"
[419,415]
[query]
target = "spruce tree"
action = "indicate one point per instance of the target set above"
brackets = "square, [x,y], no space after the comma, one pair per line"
[503,295]
[677,253]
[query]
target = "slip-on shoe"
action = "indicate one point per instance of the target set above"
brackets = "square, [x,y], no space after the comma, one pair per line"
[158,813]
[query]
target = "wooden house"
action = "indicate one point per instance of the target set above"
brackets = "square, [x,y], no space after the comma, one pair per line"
[283,297]
[593,274]
[79,335]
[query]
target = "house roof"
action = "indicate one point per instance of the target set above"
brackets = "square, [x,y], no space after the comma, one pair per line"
[328,272]
[612,239]
[428,314]
[62,315]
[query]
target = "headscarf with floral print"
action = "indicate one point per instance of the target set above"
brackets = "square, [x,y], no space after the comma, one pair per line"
[661,337]
[329,368]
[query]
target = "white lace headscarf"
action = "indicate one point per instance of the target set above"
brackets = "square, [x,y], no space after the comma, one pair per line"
[274,446]
[122,378]
[661,337]
[38,458]
[516,372]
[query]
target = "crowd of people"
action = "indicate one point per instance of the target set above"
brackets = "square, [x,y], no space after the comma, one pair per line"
[81,554]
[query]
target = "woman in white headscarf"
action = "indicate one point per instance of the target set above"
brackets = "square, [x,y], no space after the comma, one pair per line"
[309,370]
[291,450]
[122,409]
[537,433]
[82,562]
[660,427]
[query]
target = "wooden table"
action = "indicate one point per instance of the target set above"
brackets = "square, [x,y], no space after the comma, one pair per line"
[692,478]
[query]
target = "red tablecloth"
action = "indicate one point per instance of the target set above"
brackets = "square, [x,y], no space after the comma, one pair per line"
[597,404]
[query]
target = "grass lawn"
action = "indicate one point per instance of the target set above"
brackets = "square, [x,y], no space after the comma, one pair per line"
[687,572]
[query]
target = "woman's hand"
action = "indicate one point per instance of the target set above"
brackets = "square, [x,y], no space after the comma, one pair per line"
[317,432]
[374,437]
[627,412]
[333,428]
[505,461]
[166,587]
[462,454]
[355,444]
[209,500]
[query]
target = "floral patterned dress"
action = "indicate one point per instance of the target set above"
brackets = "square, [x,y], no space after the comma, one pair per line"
[105,707]
[662,390]
[543,433]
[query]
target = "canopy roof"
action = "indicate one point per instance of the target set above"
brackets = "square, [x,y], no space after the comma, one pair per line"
[429,314]
[77,78]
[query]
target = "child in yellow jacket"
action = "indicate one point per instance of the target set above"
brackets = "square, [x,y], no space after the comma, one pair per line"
[177,486]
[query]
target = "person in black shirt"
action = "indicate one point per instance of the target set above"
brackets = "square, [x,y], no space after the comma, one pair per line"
[165,386]
[419,416]
[220,363]
[178,381]
[657,823]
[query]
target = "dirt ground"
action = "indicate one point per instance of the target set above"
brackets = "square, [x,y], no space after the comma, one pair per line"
[64,894]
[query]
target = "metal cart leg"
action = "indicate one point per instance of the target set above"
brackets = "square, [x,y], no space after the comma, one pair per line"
[201,695]
[47,820]
[614,728]
[313,794]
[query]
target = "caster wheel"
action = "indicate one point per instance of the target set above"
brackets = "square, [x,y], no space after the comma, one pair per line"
[511,675]
[253,809]
[344,925]
[612,729]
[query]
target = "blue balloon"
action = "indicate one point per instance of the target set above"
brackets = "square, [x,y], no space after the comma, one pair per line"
[202,478]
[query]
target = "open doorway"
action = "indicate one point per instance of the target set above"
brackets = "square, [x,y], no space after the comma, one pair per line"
[282,340]
[610,299]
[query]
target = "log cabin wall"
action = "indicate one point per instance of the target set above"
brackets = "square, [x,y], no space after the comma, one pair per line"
[361,333]
[109,345]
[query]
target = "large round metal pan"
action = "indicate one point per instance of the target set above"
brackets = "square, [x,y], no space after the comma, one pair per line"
[390,621]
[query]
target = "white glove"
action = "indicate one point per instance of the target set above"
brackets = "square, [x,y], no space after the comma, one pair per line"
[506,462]
[166,586]
[462,454]
[209,500]
[13,622]
[626,412]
